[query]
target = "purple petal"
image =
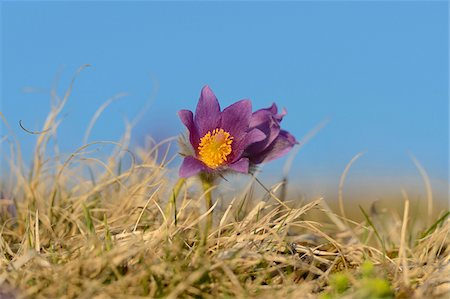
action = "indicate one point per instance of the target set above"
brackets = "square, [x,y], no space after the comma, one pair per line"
[207,114]
[268,121]
[240,166]
[191,166]
[186,117]
[276,115]
[279,147]
[273,109]
[255,135]
[259,117]
[236,118]
[271,129]
[281,115]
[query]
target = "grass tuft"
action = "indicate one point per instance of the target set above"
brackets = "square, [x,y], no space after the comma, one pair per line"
[108,222]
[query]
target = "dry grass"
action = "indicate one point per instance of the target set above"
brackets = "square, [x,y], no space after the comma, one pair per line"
[83,226]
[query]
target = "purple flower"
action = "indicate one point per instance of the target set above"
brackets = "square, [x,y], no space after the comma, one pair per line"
[218,138]
[277,143]
[231,139]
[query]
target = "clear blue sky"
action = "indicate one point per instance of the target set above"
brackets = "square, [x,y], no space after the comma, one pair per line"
[377,70]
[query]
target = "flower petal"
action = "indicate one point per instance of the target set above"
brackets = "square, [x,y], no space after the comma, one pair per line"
[268,121]
[281,115]
[252,137]
[186,117]
[271,128]
[236,118]
[279,147]
[259,117]
[255,135]
[240,166]
[207,114]
[191,166]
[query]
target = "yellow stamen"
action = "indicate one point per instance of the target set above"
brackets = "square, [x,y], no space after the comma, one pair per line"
[215,147]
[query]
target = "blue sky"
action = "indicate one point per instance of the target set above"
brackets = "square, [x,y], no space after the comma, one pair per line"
[377,70]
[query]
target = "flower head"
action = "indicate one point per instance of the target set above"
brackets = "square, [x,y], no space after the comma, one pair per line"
[231,139]
[277,143]
[218,138]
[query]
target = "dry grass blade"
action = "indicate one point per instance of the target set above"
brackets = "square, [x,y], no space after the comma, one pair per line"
[402,259]
[428,189]
[341,185]
[103,223]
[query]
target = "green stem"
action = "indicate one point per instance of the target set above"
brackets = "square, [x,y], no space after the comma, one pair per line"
[207,188]
[175,191]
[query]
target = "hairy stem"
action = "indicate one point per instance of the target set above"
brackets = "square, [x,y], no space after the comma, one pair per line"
[207,188]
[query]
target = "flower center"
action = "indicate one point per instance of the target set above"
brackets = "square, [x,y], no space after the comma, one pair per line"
[215,147]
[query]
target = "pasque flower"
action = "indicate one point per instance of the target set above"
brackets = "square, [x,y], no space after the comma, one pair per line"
[277,142]
[232,139]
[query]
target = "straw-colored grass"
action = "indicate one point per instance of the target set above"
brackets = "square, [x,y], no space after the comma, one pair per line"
[87,225]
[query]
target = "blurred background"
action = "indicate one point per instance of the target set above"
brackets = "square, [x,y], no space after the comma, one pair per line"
[377,72]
